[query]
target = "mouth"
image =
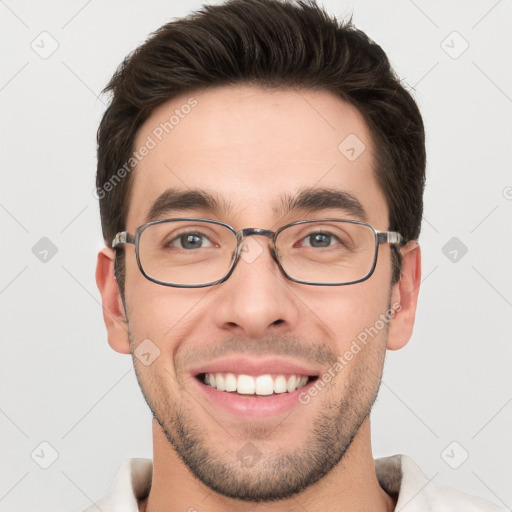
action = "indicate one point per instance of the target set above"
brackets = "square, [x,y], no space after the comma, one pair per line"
[257,386]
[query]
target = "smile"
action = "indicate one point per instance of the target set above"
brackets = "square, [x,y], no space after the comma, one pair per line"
[261,385]
[253,387]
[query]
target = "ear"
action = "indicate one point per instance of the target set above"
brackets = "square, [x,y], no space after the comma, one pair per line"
[405,293]
[113,308]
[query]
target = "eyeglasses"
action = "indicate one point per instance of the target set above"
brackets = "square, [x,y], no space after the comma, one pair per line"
[194,253]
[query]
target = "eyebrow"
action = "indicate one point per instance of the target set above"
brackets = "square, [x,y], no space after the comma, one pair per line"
[173,200]
[317,199]
[307,200]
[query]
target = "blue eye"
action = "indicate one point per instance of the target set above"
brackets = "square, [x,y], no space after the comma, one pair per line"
[319,240]
[190,241]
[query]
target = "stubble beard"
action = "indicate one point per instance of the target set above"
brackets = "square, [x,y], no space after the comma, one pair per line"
[273,476]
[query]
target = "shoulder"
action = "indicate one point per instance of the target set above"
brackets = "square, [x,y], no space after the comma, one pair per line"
[131,484]
[400,476]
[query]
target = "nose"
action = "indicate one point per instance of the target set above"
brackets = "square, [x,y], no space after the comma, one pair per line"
[256,299]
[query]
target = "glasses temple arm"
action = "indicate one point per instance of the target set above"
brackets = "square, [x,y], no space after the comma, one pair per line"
[391,237]
[123,237]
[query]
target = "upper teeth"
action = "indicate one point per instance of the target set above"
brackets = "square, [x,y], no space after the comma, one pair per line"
[261,385]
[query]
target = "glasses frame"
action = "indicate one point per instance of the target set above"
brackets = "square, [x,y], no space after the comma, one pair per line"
[381,237]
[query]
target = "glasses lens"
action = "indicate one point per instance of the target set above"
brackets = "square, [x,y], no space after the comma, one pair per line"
[186,252]
[330,252]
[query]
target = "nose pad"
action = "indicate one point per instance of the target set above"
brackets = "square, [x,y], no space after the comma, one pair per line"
[251,249]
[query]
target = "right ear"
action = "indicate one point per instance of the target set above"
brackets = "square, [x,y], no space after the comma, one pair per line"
[113,309]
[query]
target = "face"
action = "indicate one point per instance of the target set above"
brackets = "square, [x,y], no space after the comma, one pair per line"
[254,151]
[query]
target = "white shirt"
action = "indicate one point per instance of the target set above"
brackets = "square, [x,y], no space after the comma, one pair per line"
[397,475]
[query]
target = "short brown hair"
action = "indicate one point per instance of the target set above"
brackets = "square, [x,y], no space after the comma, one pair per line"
[275,43]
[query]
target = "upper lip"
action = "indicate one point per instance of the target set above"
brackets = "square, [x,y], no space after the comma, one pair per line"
[255,366]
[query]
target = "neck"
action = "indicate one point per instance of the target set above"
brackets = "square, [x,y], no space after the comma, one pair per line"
[352,485]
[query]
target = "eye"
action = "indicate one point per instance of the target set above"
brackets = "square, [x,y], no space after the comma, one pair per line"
[190,241]
[320,239]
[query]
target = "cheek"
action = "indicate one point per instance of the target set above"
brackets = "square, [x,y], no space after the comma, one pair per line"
[350,311]
[162,314]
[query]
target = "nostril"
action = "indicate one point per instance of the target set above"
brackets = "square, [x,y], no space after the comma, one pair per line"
[277,322]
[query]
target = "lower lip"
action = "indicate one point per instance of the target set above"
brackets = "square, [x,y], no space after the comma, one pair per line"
[253,405]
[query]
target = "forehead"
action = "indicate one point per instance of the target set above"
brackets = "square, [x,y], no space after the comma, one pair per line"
[251,148]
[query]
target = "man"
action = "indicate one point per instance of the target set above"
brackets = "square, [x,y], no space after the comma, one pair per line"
[260,175]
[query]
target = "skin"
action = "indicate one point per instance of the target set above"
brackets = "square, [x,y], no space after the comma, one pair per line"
[250,146]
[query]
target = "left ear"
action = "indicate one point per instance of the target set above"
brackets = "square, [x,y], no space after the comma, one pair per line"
[405,293]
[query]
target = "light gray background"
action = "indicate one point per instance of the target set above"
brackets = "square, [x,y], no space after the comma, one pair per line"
[60,381]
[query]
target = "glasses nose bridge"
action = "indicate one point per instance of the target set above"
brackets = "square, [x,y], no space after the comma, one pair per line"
[244,233]
[247,232]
